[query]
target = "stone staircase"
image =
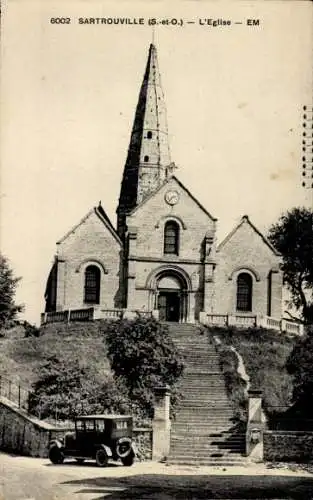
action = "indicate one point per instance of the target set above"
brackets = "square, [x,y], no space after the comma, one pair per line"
[204,431]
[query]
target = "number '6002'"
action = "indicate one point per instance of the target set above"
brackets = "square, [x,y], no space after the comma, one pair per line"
[60,20]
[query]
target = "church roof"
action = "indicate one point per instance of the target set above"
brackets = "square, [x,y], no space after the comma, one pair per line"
[100,212]
[245,220]
[183,187]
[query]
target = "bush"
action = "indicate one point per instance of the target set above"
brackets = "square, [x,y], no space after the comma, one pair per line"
[143,355]
[67,387]
[30,330]
[300,367]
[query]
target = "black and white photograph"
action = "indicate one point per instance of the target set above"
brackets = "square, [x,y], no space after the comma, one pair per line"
[156,261]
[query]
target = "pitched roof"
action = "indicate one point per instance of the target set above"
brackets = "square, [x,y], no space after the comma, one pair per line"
[245,220]
[100,212]
[183,187]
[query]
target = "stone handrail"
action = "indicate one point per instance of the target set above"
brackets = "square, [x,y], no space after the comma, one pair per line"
[251,320]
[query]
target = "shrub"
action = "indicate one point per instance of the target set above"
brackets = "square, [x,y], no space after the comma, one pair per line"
[300,366]
[67,387]
[143,355]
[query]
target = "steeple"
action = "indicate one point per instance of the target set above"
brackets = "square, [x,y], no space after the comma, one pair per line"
[148,159]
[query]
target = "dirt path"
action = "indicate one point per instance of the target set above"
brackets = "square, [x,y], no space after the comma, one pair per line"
[24,478]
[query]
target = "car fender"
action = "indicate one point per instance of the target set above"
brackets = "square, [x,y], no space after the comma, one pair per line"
[134,449]
[106,448]
[56,442]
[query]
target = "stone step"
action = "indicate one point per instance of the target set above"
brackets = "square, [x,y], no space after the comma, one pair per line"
[183,428]
[223,443]
[205,452]
[198,427]
[205,403]
[206,373]
[204,432]
[201,359]
[210,461]
[211,407]
[206,419]
[237,446]
[202,379]
[213,436]
[196,367]
[203,412]
[203,389]
[215,397]
[229,443]
[194,347]
[203,385]
[212,394]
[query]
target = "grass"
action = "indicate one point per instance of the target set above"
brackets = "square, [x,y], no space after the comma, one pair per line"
[20,357]
[264,353]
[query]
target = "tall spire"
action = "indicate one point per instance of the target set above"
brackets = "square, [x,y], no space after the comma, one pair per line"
[148,156]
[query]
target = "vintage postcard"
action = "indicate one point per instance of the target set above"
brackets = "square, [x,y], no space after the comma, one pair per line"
[148,149]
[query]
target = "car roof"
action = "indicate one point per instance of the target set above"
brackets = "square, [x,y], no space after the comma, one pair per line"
[98,417]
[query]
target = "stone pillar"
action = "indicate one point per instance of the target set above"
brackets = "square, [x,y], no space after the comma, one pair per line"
[161,424]
[255,426]
[61,285]
[209,267]
[131,269]
[276,293]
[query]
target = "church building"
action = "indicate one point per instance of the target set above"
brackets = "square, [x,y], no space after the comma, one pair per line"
[162,257]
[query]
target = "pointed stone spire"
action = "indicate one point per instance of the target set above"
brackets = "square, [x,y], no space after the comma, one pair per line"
[148,153]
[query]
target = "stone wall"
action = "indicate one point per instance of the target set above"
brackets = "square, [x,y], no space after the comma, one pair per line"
[288,446]
[91,243]
[245,251]
[143,440]
[25,435]
[22,434]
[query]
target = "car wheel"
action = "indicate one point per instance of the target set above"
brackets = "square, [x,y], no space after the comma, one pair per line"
[102,457]
[129,460]
[123,447]
[56,456]
[80,461]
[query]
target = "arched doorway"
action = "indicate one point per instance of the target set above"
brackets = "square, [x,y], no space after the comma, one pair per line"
[171,298]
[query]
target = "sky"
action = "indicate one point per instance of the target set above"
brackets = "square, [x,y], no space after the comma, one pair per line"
[234,96]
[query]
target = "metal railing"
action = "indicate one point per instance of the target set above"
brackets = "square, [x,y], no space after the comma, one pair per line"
[17,393]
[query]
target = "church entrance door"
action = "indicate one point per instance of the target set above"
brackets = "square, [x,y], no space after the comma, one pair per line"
[169,306]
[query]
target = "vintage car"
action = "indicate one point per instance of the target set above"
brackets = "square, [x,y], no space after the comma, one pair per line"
[97,437]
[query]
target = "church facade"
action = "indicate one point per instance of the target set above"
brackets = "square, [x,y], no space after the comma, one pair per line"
[162,257]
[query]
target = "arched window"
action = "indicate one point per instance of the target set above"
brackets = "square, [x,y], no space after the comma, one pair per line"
[146,159]
[244,292]
[171,237]
[92,285]
[149,134]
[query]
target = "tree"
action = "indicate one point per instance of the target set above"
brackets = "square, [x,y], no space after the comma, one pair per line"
[66,387]
[300,365]
[292,236]
[8,284]
[144,356]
